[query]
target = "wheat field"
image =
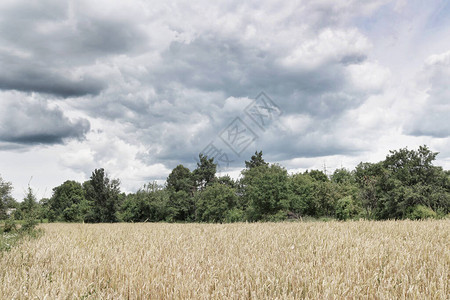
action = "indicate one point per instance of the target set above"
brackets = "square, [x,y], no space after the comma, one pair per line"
[306,260]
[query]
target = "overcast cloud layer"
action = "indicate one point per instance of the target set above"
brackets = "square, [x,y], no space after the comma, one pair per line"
[139,87]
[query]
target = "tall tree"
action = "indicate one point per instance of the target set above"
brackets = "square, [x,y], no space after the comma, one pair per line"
[268,193]
[303,202]
[413,181]
[405,180]
[412,166]
[254,168]
[205,172]
[103,195]
[256,161]
[29,204]
[66,201]
[180,179]
[370,177]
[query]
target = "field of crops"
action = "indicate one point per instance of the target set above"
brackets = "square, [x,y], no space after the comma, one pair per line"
[316,260]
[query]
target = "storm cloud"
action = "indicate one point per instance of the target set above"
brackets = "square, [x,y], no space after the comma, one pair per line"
[138,87]
[30,121]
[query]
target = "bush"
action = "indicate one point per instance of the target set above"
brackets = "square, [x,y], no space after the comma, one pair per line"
[10,225]
[421,212]
[29,224]
[234,215]
[281,215]
[346,208]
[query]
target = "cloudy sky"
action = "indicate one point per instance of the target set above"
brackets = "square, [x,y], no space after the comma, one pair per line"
[137,87]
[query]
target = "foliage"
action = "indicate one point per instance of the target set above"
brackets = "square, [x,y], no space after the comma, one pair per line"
[10,225]
[234,215]
[228,181]
[421,212]
[180,207]
[346,208]
[302,188]
[5,197]
[256,161]
[268,192]
[343,176]
[405,184]
[67,202]
[103,196]
[318,175]
[205,172]
[12,234]
[406,178]
[29,224]
[215,203]
[180,179]
[29,208]
[148,204]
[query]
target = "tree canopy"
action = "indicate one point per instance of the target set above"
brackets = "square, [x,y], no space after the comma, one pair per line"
[406,184]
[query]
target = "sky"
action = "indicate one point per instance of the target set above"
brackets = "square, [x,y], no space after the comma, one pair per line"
[138,87]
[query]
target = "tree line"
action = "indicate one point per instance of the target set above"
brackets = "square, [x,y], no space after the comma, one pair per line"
[404,185]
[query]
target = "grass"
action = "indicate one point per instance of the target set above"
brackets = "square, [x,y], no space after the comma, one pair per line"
[8,240]
[320,260]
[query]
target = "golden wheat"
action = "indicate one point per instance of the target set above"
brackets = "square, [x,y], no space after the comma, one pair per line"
[375,260]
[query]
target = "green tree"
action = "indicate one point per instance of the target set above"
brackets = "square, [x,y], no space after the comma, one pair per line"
[318,175]
[66,202]
[180,207]
[180,179]
[103,196]
[302,188]
[414,181]
[149,203]
[268,193]
[326,195]
[343,176]
[369,178]
[228,181]
[205,172]
[29,204]
[254,168]
[215,202]
[412,166]
[346,208]
[256,161]
[43,209]
[405,179]
[29,211]
[5,197]
[420,212]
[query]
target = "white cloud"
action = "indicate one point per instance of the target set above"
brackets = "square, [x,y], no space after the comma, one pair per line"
[431,117]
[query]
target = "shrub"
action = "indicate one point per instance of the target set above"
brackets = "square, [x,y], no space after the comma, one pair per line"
[234,215]
[10,225]
[346,208]
[421,212]
[281,215]
[29,224]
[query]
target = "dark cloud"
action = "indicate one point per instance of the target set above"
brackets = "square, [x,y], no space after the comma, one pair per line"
[25,76]
[30,121]
[158,79]
[215,63]
[53,46]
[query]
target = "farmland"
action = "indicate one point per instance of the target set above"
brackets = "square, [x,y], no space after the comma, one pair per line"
[390,259]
